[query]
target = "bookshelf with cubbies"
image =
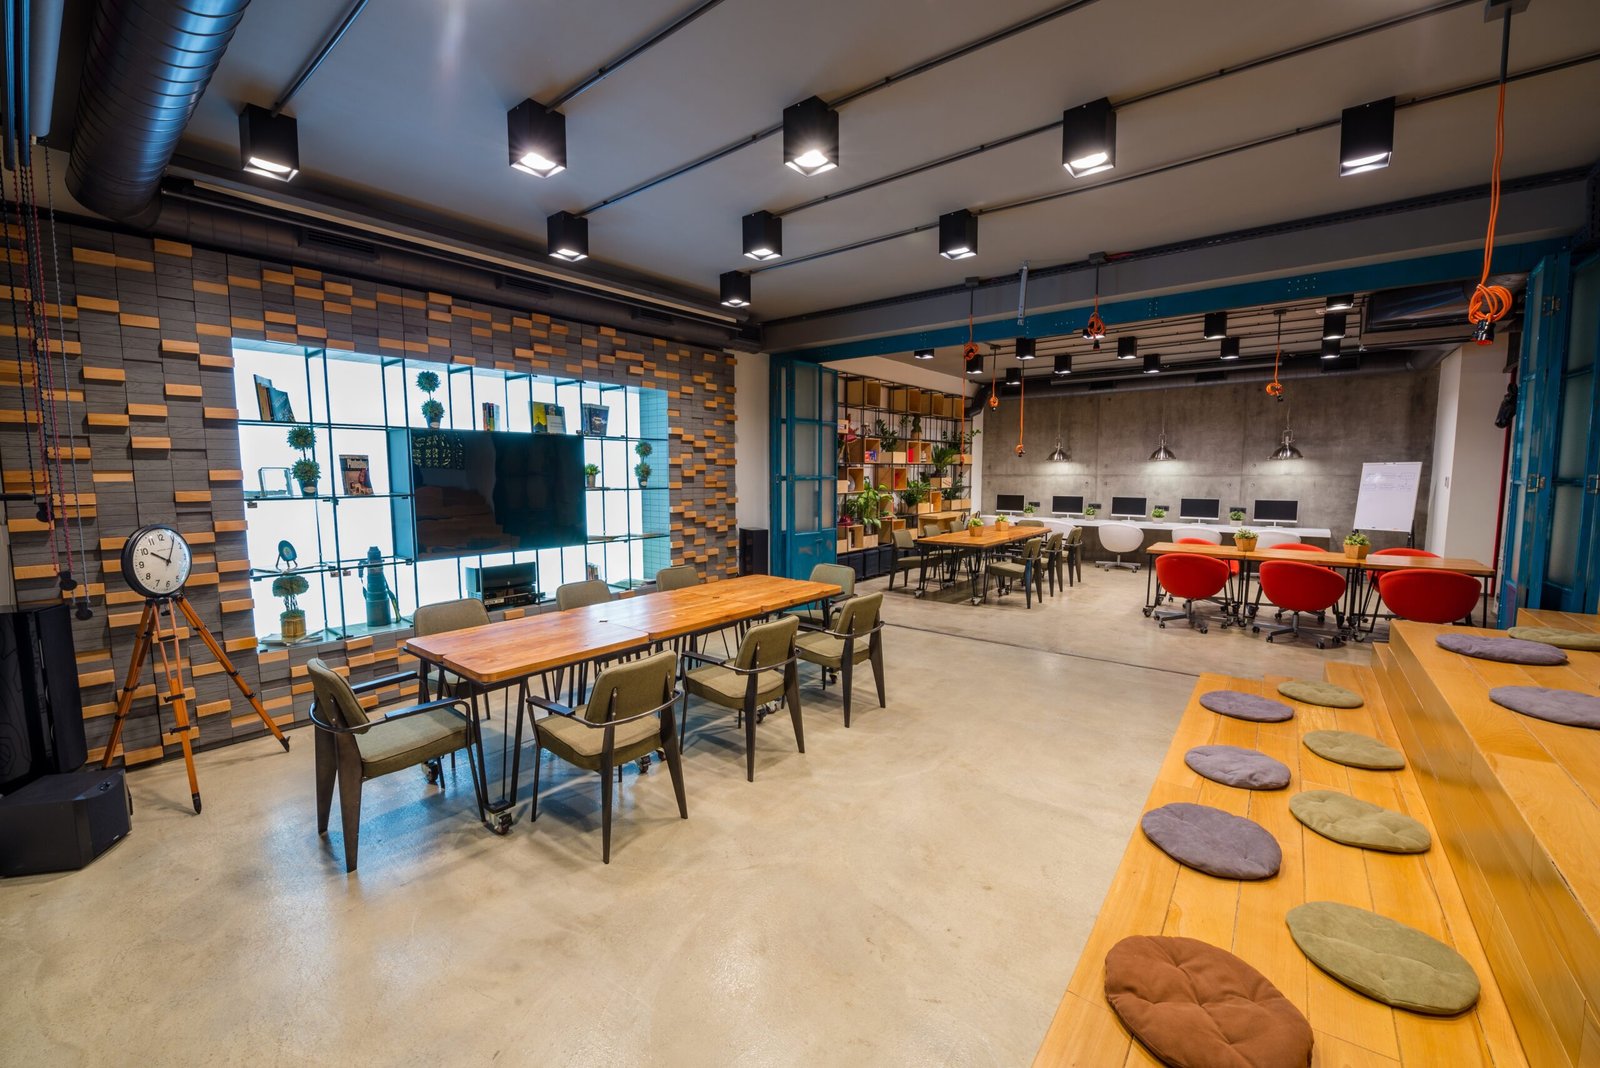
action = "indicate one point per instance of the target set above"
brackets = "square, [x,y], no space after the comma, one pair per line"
[352,402]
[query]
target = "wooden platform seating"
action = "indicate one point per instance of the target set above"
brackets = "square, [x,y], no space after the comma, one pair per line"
[1152,894]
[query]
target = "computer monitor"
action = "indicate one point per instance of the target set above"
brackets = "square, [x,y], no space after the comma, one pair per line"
[1276,511]
[1008,502]
[1066,505]
[1199,508]
[1133,507]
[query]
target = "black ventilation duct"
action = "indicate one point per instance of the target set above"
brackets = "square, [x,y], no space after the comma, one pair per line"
[146,64]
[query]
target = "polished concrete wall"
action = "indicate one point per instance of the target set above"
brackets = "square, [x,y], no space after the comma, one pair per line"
[1222,435]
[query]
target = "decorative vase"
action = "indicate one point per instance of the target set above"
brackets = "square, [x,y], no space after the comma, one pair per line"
[308,489]
[976,532]
[433,424]
[589,481]
[1246,545]
[1355,552]
[292,625]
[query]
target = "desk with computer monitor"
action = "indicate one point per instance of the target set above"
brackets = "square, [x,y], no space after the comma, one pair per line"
[1200,509]
[1066,505]
[1129,507]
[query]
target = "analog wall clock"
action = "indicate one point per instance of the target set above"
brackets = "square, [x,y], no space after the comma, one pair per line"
[156,561]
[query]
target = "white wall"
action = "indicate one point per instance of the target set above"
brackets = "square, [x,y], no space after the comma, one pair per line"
[752,469]
[1468,449]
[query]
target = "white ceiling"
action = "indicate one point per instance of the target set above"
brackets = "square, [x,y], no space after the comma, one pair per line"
[410,108]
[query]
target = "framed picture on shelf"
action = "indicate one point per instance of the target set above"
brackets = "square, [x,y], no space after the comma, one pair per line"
[548,418]
[596,417]
[354,472]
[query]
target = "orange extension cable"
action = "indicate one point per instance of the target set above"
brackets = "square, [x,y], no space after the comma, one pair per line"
[1275,388]
[1022,386]
[1489,304]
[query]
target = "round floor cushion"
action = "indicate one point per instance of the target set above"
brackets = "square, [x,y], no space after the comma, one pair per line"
[1384,959]
[1507,650]
[1232,765]
[1213,841]
[1354,750]
[1586,640]
[1320,693]
[1241,705]
[1192,1005]
[1558,706]
[1354,822]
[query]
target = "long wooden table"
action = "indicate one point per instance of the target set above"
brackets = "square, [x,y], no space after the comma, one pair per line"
[972,550]
[511,652]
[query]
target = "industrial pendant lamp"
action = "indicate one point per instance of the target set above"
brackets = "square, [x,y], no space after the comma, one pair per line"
[735,289]
[1027,348]
[958,235]
[567,236]
[269,145]
[1229,349]
[1366,137]
[1163,453]
[1127,348]
[537,139]
[763,235]
[1089,138]
[1058,455]
[1286,449]
[810,137]
[1216,326]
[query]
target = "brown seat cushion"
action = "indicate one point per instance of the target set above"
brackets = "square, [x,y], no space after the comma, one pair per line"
[1320,693]
[1384,959]
[1507,650]
[1558,706]
[1354,822]
[1354,750]
[1213,841]
[1232,765]
[1241,705]
[1587,640]
[1197,1006]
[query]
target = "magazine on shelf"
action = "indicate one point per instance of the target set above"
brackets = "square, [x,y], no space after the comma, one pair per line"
[354,470]
[596,417]
[548,418]
[491,415]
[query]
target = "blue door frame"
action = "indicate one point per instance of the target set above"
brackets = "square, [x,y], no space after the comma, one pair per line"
[805,464]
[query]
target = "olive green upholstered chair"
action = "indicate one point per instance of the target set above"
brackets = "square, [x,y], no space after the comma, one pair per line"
[581,594]
[1052,556]
[446,616]
[761,672]
[906,557]
[856,638]
[1026,568]
[353,746]
[840,575]
[1073,547]
[627,717]
[1030,522]
[677,577]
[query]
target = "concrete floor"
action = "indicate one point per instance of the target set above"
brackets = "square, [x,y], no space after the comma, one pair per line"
[914,890]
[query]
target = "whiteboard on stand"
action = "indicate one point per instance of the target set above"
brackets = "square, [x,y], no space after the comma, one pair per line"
[1388,496]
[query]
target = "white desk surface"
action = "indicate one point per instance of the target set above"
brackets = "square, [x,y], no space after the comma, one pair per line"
[1164,526]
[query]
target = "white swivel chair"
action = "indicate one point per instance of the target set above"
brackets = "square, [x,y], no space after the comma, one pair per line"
[1270,539]
[1203,533]
[1120,538]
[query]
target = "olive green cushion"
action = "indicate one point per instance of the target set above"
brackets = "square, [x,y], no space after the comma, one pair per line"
[1383,959]
[1354,822]
[819,648]
[390,745]
[1586,640]
[1354,750]
[1320,693]
[580,744]
[727,687]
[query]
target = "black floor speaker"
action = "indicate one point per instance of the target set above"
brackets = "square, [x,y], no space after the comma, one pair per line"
[41,710]
[62,822]
[753,548]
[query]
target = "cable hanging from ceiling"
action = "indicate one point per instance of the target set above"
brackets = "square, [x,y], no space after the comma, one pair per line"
[1275,387]
[1095,329]
[1490,303]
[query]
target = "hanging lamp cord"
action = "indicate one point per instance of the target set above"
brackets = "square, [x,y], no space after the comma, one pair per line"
[1275,387]
[1489,303]
[1022,386]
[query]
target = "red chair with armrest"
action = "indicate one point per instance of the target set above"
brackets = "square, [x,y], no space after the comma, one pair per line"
[1297,588]
[1430,596]
[1190,577]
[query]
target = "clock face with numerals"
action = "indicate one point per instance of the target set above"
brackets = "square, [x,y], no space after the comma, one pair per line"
[156,561]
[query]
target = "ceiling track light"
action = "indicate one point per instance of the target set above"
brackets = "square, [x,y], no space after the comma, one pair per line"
[763,235]
[735,289]
[923,354]
[1089,138]
[1330,348]
[537,139]
[1229,349]
[958,235]
[1127,348]
[1216,326]
[1366,137]
[1063,365]
[810,137]
[1027,349]
[1333,325]
[269,145]
[1152,364]
[1340,302]
[567,237]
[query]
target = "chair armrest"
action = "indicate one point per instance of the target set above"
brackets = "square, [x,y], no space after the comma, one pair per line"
[715,661]
[400,713]
[723,663]
[379,683]
[554,707]
[864,634]
[559,710]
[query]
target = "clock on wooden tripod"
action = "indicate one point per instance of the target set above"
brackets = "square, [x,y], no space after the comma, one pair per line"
[156,562]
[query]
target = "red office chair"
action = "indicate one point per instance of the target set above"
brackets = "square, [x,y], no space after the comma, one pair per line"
[1233,565]
[1295,588]
[1193,578]
[1292,546]
[1430,596]
[1369,601]
[1300,547]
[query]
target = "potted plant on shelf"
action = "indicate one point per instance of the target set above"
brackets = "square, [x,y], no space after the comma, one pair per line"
[641,469]
[590,473]
[292,621]
[956,492]
[869,506]
[1236,515]
[975,526]
[941,458]
[1245,539]
[1356,545]
[432,410]
[913,496]
[1158,512]
[888,438]
[306,470]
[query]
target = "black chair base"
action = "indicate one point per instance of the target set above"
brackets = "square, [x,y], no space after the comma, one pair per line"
[1292,628]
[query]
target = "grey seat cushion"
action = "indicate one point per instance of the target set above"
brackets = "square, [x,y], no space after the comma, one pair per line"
[1558,706]
[1241,705]
[1213,841]
[389,745]
[1320,693]
[1354,750]
[1507,650]
[581,745]
[1354,822]
[1586,640]
[1383,959]
[1232,765]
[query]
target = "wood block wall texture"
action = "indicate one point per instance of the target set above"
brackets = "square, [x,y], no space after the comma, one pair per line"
[149,326]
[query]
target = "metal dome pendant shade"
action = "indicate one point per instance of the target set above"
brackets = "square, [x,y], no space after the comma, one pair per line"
[1162,452]
[1286,449]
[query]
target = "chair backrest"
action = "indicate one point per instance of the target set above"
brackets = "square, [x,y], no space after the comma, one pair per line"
[1274,539]
[1299,547]
[860,615]
[449,615]
[1195,541]
[769,644]
[904,540]
[1301,587]
[627,689]
[1052,544]
[1430,596]
[1210,537]
[840,575]
[578,594]
[1404,550]
[334,697]
[677,577]
[947,525]
[1121,537]
[1190,575]
[1030,550]
[1075,536]
[931,526]
[1030,522]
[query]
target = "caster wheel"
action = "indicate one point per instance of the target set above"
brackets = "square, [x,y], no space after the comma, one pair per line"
[1205,630]
[1321,644]
[501,824]
[1163,625]
[1277,617]
[1270,637]
[918,595]
[1147,613]
[433,772]
[1255,630]
[644,764]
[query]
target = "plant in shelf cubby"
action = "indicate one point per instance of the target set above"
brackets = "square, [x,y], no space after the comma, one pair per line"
[432,410]
[591,472]
[870,505]
[915,497]
[306,470]
[642,449]
[292,621]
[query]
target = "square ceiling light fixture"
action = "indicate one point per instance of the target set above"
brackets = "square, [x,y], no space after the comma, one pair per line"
[1089,138]
[1340,302]
[958,235]
[1333,325]
[567,236]
[1027,349]
[735,289]
[1152,364]
[1229,349]
[1330,348]
[1013,376]
[1366,137]
[537,139]
[810,137]
[923,354]
[1216,326]
[269,145]
[1127,348]
[763,235]
[1063,365]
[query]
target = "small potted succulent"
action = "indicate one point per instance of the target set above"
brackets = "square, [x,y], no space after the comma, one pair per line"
[1027,509]
[1236,515]
[1356,545]
[642,449]
[590,473]
[292,621]
[432,410]
[1245,539]
[1090,511]
[1158,512]
[975,526]
[306,470]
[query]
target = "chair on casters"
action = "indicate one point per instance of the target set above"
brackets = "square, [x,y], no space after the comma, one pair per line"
[677,577]
[1369,599]
[1283,540]
[906,557]
[628,716]
[1190,578]
[1199,536]
[1026,567]
[762,672]
[1119,538]
[856,638]
[353,747]
[1295,588]
[1430,596]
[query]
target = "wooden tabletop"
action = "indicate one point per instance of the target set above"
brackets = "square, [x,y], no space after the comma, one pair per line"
[1329,559]
[986,538]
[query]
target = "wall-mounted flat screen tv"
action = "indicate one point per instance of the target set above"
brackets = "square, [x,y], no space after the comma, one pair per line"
[1008,502]
[476,492]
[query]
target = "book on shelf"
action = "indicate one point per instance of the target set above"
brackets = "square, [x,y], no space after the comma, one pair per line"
[491,415]
[548,418]
[596,418]
[355,473]
[274,403]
